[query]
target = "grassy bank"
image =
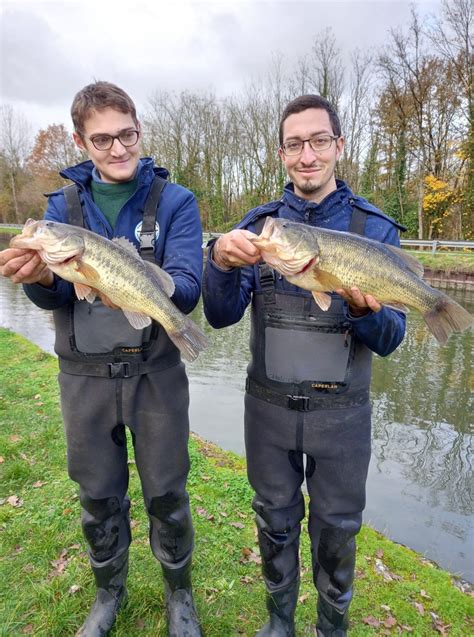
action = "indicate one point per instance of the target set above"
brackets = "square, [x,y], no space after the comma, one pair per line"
[45,582]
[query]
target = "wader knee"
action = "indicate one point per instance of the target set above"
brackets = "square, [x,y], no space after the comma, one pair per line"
[171,529]
[333,570]
[278,536]
[106,526]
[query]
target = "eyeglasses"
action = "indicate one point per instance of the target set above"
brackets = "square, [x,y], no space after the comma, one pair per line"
[317,143]
[105,142]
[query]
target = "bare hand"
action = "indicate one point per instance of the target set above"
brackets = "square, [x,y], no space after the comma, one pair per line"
[359,304]
[234,250]
[25,266]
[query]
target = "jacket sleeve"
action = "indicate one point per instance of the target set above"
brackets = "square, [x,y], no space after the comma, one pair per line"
[226,293]
[62,291]
[382,332]
[182,256]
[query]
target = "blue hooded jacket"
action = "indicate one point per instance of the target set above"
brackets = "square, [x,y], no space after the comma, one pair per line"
[226,294]
[178,248]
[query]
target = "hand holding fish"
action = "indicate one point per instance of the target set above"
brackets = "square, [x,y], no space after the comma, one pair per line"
[25,266]
[233,250]
[359,304]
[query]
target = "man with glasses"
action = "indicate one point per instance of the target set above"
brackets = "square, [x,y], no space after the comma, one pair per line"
[112,375]
[306,416]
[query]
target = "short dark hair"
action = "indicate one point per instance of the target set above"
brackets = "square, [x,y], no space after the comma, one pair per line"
[96,97]
[304,102]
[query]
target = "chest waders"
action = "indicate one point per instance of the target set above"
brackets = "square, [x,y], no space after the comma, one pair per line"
[307,399]
[113,376]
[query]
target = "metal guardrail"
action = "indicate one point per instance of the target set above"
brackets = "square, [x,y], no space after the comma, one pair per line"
[434,245]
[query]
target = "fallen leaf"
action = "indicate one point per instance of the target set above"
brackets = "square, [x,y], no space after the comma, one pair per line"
[2,459]
[206,478]
[248,556]
[389,621]
[38,484]
[379,553]
[237,525]
[424,594]
[15,501]
[372,621]
[303,598]
[27,630]
[14,438]
[74,588]
[420,608]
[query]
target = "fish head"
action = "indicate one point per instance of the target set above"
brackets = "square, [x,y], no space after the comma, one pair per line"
[55,242]
[287,246]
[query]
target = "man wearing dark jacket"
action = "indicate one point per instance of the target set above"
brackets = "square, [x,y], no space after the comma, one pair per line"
[112,375]
[309,417]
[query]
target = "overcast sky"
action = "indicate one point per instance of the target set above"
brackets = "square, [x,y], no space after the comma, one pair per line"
[49,50]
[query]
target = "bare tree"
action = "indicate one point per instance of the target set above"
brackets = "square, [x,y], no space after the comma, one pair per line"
[15,142]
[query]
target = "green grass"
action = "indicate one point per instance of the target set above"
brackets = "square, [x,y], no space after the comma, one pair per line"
[446,261]
[45,583]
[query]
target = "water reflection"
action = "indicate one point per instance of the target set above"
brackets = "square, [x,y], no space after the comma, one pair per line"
[420,488]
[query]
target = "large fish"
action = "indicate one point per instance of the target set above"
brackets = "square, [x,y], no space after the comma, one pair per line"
[322,261]
[91,262]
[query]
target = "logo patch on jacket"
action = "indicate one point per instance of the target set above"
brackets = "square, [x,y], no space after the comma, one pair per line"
[138,229]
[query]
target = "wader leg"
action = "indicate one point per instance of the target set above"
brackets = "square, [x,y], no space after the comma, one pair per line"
[337,498]
[97,461]
[161,453]
[276,476]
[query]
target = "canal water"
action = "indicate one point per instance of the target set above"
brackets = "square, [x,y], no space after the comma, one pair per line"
[420,486]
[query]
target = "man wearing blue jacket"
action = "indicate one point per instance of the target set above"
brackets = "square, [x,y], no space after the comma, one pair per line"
[309,417]
[112,375]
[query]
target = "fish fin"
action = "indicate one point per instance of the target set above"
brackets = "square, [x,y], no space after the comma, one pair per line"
[88,272]
[327,281]
[126,244]
[190,340]
[447,317]
[395,305]
[85,292]
[322,299]
[137,320]
[164,280]
[410,261]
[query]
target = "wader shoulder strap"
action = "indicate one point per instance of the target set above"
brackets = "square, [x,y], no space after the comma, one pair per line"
[74,207]
[358,220]
[265,272]
[147,232]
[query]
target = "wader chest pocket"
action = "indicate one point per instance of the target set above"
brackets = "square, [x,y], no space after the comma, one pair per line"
[294,356]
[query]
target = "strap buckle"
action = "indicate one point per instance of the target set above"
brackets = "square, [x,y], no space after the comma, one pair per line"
[298,403]
[147,240]
[119,370]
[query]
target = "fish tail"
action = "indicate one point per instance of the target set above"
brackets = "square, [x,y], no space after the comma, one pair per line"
[190,340]
[446,317]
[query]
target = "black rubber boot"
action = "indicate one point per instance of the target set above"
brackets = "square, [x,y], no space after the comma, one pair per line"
[281,607]
[110,577]
[331,621]
[182,617]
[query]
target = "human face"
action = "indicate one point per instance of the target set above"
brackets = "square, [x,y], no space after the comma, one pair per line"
[312,172]
[119,163]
